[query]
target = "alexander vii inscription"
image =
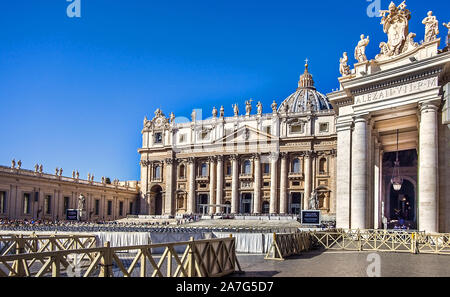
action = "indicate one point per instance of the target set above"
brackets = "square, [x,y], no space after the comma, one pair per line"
[405,89]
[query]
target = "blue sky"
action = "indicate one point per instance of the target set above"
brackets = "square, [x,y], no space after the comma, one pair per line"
[74,91]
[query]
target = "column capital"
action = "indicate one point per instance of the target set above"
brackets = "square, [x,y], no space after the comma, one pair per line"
[219,158]
[361,118]
[169,161]
[427,107]
[284,155]
[233,157]
[212,159]
[274,156]
[256,156]
[191,160]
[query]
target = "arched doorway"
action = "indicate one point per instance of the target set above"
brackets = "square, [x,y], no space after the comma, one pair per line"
[156,196]
[402,205]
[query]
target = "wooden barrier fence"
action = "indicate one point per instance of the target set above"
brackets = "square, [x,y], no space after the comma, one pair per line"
[203,258]
[285,245]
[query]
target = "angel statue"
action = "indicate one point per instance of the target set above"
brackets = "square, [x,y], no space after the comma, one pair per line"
[344,69]
[360,50]
[431,27]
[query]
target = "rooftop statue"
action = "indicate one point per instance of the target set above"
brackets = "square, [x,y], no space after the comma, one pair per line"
[259,106]
[235,109]
[431,27]
[360,50]
[447,25]
[344,69]
[248,107]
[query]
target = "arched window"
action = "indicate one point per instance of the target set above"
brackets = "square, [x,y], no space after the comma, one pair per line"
[204,170]
[296,165]
[157,173]
[247,167]
[182,173]
[323,166]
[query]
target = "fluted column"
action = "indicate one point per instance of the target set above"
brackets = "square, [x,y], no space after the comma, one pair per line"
[428,168]
[191,193]
[359,174]
[219,183]
[257,185]
[307,195]
[234,185]
[273,183]
[283,185]
[212,184]
[169,203]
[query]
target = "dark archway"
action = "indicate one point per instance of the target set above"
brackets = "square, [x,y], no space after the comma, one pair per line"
[156,194]
[402,204]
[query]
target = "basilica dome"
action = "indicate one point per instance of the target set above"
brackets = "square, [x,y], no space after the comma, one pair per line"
[306,98]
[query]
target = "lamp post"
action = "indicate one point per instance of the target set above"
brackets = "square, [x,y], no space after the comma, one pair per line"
[396,180]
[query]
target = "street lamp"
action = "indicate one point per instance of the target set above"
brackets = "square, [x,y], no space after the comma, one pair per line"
[396,179]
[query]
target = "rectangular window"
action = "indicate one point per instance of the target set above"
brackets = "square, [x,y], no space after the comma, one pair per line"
[120,208]
[228,173]
[26,203]
[182,138]
[48,204]
[66,204]
[266,168]
[266,184]
[296,129]
[2,202]
[323,127]
[267,129]
[109,208]
[158,137]
[97,207]
[130,211]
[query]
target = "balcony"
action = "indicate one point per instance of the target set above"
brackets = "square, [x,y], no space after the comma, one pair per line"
[244,176]
[202,178]
[296,175]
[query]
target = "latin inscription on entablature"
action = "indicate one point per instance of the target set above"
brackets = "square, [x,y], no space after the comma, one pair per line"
[401,90]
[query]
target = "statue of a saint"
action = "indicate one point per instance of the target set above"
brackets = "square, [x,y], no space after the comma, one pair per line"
[194,115]
[248,107]
[447,25]
[19,164]
[260,108]
[36,168]
[214,112]
[274,106]
[60,172]
[344,69]
[172,117]
[222,111]
[13,163]
[235,109]
[360,50]
[41,168]
[313,201]
[431,27]
[81,202]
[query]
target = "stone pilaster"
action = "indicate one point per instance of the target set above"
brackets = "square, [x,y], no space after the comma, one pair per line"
[169,208]
[359,174]
[257,185]
[283,184]
[234,185]
[307,187]
[273,183]
[428,168]
[212,184]
[191,180]
[219,183]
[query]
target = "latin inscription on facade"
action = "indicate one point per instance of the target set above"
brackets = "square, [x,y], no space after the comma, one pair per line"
[410,88]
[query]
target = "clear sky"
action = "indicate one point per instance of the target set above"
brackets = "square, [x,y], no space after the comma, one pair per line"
[74,91]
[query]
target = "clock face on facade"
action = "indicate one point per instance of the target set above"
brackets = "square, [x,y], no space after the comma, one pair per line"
[159,122]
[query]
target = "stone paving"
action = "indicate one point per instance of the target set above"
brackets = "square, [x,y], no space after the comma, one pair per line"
[342,264]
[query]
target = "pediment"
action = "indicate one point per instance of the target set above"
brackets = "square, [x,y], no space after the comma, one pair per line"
[246,134]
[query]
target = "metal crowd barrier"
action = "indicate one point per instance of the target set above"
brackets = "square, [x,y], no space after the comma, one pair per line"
[203,258]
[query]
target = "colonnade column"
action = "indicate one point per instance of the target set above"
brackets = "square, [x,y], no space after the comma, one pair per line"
[428,168]
[219,183]
[234,185]
[273,183]
[283,185]
[307,187]
[168,203]
[343,167]
[257,185]
[191,193]
[359,174]
[212,184]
